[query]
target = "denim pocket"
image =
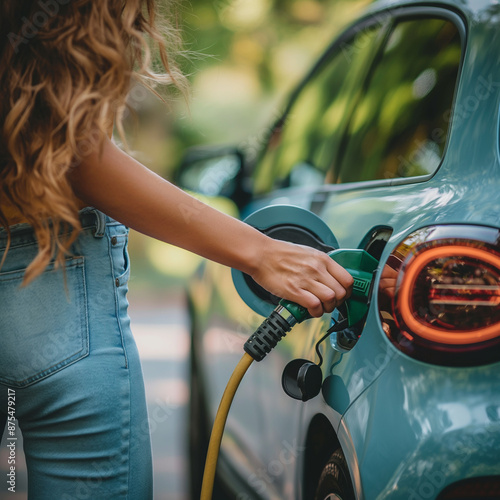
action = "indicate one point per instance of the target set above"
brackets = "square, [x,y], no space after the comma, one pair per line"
[43,326]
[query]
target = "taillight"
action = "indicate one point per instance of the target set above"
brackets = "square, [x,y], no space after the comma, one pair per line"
[475,488]
[439,295]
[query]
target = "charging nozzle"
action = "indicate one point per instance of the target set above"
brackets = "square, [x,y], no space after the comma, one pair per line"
[359,263]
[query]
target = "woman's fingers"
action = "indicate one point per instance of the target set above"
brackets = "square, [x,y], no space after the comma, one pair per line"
[341,277]
[332,285]
[325,297]
[304,275]
[327,289]
[311,303]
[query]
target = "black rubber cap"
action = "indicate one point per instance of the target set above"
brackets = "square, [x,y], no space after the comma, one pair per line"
[302,379]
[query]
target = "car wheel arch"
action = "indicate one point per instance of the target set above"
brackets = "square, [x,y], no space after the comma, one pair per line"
[320,443]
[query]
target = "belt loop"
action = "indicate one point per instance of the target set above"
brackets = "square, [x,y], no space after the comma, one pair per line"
[100,224]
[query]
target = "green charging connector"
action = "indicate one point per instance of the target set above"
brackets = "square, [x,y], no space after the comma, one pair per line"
[359,263]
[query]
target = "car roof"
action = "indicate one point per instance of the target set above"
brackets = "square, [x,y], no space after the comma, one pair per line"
[476,10]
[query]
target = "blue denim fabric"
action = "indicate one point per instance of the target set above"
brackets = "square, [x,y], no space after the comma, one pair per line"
[67,350]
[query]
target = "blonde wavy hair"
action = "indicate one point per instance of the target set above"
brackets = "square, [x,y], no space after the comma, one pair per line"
[66,67]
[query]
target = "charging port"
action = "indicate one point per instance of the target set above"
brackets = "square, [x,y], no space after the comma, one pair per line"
[344,340]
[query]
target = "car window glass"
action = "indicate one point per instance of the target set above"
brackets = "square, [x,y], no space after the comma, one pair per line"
[400,125]
[301,148]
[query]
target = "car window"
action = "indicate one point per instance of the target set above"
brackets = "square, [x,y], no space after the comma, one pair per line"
[303,142]
[400,125]
[378,107]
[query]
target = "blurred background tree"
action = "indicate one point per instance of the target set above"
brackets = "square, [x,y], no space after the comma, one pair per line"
[242,59]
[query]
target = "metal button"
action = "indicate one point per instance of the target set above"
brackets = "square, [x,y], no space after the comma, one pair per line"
[114,240]
[117,282]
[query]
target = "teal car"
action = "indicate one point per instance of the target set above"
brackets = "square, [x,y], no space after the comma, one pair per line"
[390,145]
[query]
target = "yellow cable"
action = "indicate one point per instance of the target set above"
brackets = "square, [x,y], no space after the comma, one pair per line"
[219,424]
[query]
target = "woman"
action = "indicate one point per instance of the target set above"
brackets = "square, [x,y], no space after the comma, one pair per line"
[69,368]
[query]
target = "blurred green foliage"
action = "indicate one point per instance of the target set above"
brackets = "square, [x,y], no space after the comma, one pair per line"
[242,58]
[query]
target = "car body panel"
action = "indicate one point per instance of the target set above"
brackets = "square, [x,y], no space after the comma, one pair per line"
[443,426]
[407,428]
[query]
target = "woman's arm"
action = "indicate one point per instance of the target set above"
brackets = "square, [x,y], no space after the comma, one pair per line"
[132,194]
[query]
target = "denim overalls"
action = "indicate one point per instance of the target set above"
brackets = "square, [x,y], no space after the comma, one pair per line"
[68,356]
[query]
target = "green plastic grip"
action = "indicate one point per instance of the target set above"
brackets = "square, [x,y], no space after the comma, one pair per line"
[360,264]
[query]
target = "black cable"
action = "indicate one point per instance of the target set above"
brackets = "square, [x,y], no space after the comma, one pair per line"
[337,327]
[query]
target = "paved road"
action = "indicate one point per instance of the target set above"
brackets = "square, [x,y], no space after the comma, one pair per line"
[159,326]
[160,331]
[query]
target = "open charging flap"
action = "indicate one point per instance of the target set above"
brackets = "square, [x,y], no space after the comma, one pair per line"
[287,223]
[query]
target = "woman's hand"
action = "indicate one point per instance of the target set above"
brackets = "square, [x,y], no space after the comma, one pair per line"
[303,275]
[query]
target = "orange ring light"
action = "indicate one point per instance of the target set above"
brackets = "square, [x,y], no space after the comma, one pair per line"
[458,337]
